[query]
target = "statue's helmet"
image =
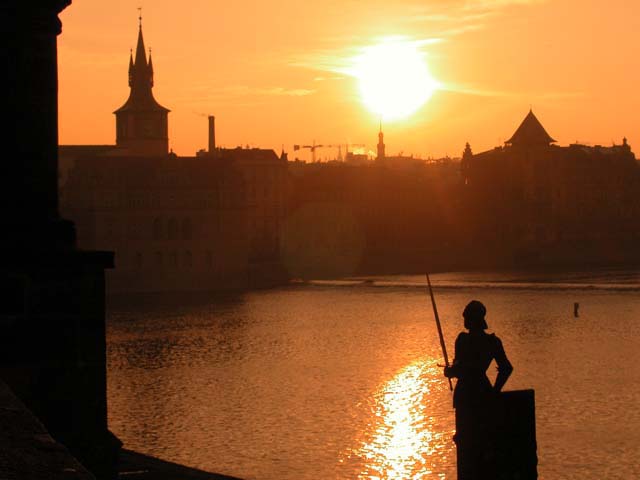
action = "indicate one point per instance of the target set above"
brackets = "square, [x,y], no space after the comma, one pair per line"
[474,314]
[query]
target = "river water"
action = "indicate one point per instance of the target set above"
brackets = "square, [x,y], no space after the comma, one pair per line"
[340,379]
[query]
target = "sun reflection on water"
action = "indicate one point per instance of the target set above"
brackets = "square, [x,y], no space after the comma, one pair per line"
[406,440]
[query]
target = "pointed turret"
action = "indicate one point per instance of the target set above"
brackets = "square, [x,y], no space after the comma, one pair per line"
[465,163]
[530,133]
[467,151]
[131,68]
[381,152]
[141,81]
[141,123]
[141,57]
[150,69]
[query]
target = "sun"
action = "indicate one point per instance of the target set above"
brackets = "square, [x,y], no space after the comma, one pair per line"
[394,79]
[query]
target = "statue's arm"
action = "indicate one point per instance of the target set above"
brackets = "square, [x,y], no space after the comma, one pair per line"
[504,366]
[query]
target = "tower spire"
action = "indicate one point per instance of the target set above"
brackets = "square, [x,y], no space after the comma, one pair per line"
[141,56]
[150,68]
[131,68]
[381,153]
[141,123]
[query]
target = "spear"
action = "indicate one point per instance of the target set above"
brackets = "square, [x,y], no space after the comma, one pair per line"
[440,334]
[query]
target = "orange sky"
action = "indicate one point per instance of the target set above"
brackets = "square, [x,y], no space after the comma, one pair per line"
[268,71]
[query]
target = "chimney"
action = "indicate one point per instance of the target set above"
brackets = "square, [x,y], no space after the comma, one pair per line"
[212,134]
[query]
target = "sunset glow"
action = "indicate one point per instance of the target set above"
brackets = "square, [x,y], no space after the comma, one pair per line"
[294,74]
[290,240]
[404,440]
[393,78]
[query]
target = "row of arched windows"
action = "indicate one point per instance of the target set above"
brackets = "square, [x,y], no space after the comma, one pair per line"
[172,229]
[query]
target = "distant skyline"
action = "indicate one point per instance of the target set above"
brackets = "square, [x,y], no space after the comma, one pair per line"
[277,73]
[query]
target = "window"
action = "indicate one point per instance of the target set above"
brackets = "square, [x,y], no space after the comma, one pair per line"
[174,259]
[158,231]
[188,259]
[173,229]
[159,259]
[134,230]
[109,228]
[186,229]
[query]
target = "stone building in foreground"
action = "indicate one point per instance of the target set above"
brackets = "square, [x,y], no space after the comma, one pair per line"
[52,315]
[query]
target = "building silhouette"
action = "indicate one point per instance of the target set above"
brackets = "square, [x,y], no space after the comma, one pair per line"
[534,202]
[391,215]
[141,123]
[246,217]
[174,223]
[527,203]
[399,160]
[211,221]
[266,185]
[381,153]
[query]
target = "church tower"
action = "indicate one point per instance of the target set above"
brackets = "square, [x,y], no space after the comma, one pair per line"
[381,154]
[465,163]
[141,123]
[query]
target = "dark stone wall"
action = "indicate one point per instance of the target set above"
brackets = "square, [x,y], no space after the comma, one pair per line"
[52,332]
[29,86]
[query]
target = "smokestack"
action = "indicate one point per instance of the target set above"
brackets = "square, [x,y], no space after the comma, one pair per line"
[212,134]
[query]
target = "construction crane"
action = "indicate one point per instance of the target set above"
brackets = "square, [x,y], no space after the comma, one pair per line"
[314,146]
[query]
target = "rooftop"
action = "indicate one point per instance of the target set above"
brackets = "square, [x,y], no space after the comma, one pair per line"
[530,132]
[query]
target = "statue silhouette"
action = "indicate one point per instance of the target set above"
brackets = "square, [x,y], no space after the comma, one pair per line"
[475,399]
